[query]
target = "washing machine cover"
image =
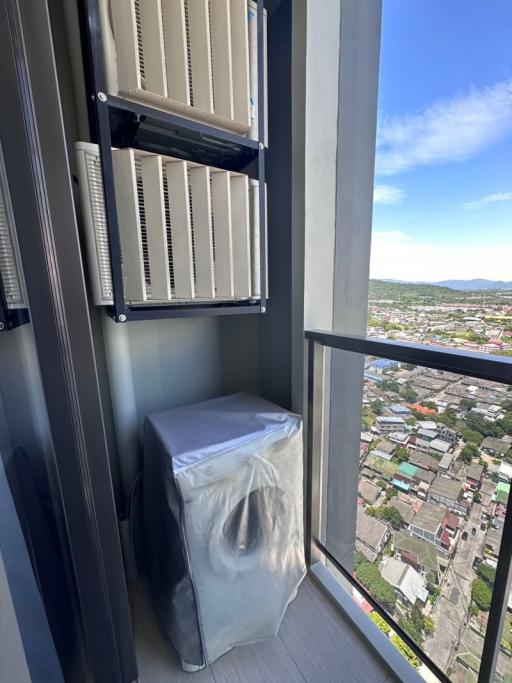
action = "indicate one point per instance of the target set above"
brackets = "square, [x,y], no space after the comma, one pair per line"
[222,521]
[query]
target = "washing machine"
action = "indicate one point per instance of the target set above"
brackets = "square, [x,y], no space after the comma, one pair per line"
[222,522]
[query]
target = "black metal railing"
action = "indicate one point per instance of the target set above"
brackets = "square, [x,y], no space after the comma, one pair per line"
[493,368]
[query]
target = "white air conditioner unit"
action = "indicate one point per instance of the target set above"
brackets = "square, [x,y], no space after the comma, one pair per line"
[196,58]
[188,233]
[11,274]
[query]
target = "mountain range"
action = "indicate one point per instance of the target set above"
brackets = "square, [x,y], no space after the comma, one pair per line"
[476,284]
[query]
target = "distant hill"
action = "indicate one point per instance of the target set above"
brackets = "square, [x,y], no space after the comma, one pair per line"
[411,291]
[474,285]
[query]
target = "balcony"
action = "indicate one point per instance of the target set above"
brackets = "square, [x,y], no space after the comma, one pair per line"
[316,642]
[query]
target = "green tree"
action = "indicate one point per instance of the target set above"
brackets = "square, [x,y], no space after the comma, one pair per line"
[448,418]
[391,493]
[487,573]
[469,452]
[377,406]
[401,454]
[390,385]
[467,403]
[428,404]
[469,435]
[408,394]
[485,427]
[379,588]
[391,515]
[481,594]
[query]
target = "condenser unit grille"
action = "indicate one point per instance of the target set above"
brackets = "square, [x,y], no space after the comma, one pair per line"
[187,231]
[11,279]
[193,57]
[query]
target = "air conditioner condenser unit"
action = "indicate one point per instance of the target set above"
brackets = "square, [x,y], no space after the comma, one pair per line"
[196,58]
[188,233]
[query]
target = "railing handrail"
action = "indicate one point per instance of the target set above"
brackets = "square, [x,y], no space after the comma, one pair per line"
[469,363]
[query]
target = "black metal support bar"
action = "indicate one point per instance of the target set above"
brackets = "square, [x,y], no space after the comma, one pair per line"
[493,368]
[161,132]
[101,125]
[189,310]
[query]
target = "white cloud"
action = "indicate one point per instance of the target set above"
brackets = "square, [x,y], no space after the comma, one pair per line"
[387,194]
[449,130]
[398,256]
[489,199]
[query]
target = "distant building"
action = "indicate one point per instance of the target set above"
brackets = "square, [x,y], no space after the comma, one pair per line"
[423,460]
[432,524]
[427,424]
[445,463]
[505,472]
[399,409]
[405,509]
[494,447]
[420,554]
[380,365]
[493,542]
[450,435]
[368,491]
[440,447]
[384,449]
[386,424]
[448,493]
[411,586]
[427,434]
[371,535]
[400,438]
[474,474]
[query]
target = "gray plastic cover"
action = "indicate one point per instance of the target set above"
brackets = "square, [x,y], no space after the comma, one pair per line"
[222,520]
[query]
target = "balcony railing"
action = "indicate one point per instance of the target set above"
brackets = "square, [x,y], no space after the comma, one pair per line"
[319,548]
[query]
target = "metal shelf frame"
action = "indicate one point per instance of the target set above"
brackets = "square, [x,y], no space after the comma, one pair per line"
[120,122]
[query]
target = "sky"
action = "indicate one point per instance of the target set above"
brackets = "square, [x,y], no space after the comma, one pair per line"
[443,169]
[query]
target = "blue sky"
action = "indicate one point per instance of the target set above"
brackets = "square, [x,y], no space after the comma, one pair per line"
[443,183]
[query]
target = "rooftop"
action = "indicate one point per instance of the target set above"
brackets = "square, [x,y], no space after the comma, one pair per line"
[403,508]
[407,470]
[440,445]
[445,487]
[370,531]
[423,460]
[368,491]
[497,445]
[429,518]
[424,551]
[405,578]
[475,471]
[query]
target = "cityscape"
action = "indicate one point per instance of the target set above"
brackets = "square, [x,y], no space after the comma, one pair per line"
[435,473]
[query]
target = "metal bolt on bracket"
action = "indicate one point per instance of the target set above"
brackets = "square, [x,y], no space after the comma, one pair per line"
[1,326]
[122,318]
[261,145]
[263,309]
[102,97]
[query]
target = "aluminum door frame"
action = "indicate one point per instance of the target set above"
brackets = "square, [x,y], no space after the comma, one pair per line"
[33,142]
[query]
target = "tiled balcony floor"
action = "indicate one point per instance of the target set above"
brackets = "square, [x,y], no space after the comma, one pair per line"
[316,644]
